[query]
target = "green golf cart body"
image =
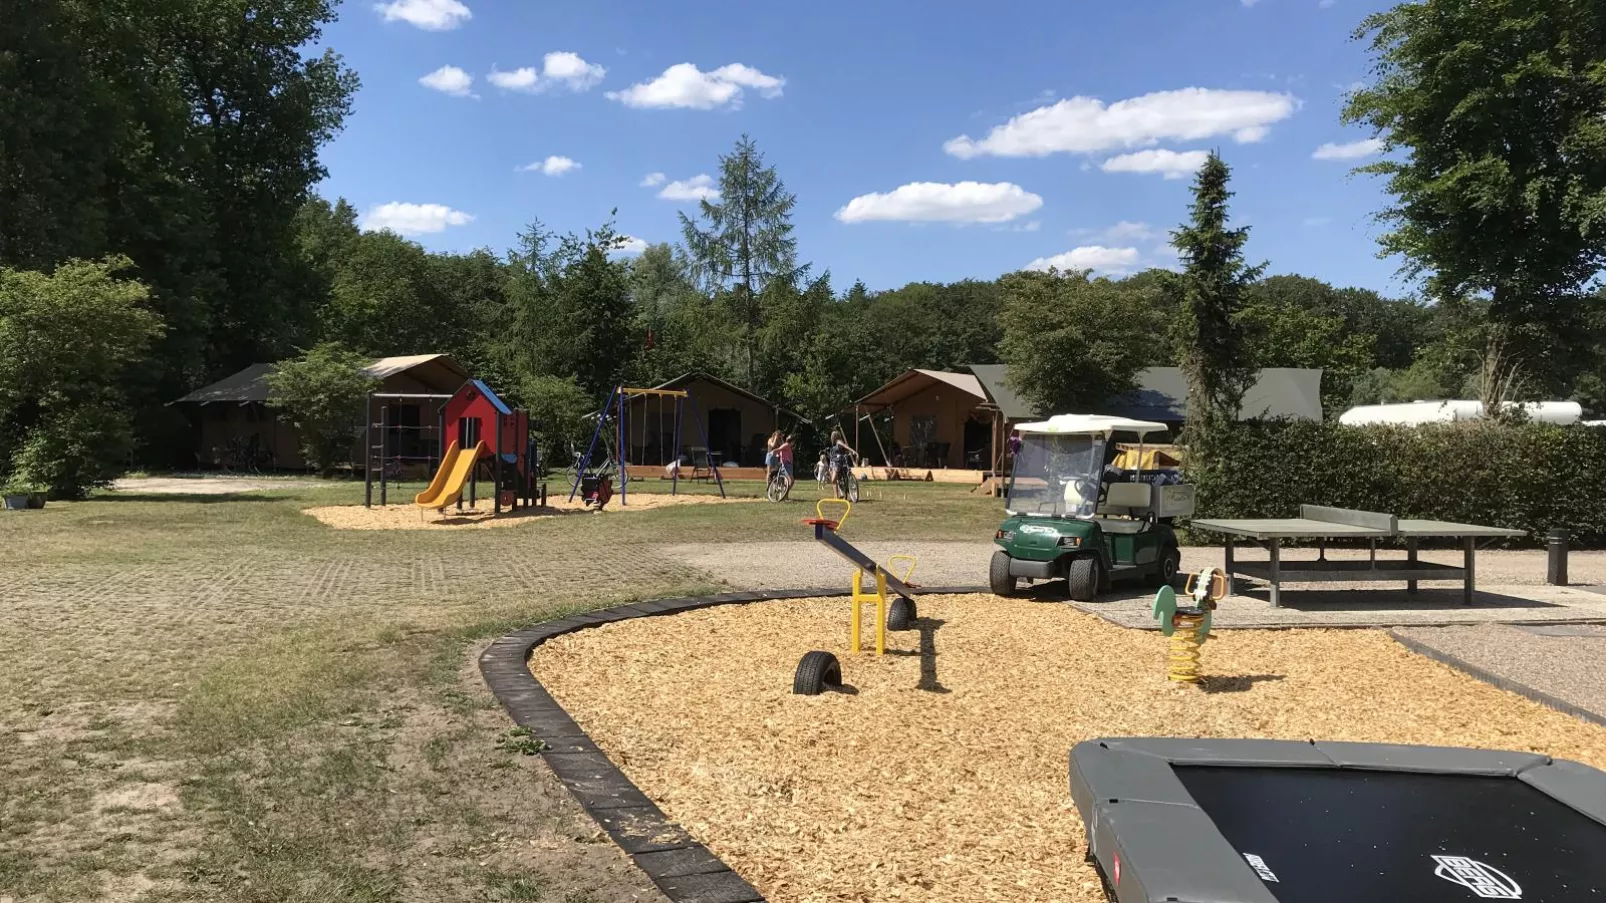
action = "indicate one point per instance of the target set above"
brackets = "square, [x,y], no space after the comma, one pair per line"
[1067,522]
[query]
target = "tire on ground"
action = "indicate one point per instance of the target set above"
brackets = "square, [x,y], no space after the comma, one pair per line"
[998,578]
[901,614]
[1170,563]
[1082,578]
[815,672]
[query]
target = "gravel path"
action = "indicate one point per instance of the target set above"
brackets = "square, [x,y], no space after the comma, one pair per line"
[1562,661]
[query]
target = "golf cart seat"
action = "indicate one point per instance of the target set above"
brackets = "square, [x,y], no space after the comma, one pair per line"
[1130,500]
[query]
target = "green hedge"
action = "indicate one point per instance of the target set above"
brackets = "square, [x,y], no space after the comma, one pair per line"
[1530,477]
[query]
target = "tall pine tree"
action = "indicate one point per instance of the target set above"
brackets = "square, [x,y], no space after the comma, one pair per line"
[1209,293]
[744,241]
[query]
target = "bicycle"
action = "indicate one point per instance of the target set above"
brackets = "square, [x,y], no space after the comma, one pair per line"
[845,483]
[778,487]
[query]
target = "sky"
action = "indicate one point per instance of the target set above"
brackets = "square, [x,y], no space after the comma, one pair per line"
[931,141]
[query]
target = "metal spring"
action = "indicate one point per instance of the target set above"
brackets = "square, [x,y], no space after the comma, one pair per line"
[1182,665]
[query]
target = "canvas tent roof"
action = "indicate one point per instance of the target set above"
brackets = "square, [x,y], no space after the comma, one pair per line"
[993,378]
[687,378]
[251,384]
[912,382]
[1279,392]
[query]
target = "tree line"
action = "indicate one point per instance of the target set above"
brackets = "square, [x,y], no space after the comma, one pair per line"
[159,173]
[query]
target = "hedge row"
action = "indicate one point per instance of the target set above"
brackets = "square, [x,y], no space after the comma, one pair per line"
[1529,477]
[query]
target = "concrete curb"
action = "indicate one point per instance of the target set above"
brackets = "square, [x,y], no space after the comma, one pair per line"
[1489,677]
[683,869]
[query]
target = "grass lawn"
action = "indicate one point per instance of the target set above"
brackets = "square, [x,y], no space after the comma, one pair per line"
[219,698]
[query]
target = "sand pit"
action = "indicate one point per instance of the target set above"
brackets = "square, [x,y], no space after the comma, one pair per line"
[944,778]
[405,516]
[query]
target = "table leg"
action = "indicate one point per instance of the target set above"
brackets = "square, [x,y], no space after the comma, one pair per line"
[1472,572]
[1227,566]
[1276,570]
[1410,557]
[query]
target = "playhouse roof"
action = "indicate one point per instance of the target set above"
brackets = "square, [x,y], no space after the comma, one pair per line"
[490,396]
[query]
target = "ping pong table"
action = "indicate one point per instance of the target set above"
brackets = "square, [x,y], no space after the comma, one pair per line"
[1322,524]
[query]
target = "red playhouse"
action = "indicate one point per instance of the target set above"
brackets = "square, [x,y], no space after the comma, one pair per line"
[476,418]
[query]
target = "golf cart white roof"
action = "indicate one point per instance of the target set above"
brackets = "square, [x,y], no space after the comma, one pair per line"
[1090,425]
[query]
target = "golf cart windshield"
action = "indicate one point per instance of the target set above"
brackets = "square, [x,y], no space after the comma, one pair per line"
[1057,475]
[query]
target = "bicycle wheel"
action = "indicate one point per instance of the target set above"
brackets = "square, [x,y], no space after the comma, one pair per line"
[853,489]
[775,490]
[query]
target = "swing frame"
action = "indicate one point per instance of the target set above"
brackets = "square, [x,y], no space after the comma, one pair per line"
[617,411]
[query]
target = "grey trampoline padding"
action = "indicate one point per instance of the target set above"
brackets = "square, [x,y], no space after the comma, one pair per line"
[1157,841]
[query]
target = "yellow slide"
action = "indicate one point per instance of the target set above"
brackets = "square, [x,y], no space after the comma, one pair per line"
[447,487]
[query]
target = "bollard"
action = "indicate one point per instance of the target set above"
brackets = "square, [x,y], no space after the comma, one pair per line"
[1556,548]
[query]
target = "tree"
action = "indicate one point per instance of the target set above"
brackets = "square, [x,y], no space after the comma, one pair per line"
[1281,333]
[747,238]
[385,300]
[324,394]
[185,136]
[1500,110]
[67,341]
[1073,343]
[1209,294]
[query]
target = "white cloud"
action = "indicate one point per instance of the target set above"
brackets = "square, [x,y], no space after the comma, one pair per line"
[1090,257]
[1354,150]
[413,219]
[685,86]
[629,245]
[653,179]
[696,188]
[1126,230]
[1251,135]
[1325,4]
[1169,163]
[928,202]
[1317,221]
[1088,125]
[551,166]
[563,69]
[569,70]
[430,15]
[522,79]
[449,80]
[1249,2]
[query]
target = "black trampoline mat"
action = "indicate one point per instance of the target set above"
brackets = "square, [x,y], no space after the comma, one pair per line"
[1344,836]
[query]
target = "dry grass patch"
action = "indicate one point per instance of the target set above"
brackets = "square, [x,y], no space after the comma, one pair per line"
[942,776]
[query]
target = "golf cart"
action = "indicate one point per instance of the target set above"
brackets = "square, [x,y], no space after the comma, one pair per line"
[1068,520]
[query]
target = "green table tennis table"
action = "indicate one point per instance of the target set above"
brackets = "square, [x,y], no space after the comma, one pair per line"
[1320,523]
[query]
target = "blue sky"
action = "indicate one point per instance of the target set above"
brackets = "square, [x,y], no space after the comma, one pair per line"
[925,141]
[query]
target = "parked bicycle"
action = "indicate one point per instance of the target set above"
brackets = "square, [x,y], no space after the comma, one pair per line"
[844,481]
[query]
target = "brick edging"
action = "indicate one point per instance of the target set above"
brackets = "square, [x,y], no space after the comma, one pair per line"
[683,869]
[1489,677]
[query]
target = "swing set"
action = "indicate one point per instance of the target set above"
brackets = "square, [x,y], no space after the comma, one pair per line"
[609,452]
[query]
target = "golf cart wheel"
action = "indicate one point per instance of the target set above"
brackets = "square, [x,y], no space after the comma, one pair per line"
[815,672]
[1170,563]
[998,577]
[1082,579]
[901,614]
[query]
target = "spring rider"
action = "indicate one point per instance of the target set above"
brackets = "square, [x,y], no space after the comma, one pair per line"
[1187,627]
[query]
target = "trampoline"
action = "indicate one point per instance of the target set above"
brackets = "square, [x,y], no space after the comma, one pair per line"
[1272,821]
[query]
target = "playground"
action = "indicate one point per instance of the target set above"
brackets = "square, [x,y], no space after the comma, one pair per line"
[483,513]
[939,774]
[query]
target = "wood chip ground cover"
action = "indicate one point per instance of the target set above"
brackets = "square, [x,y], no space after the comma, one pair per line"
[943,776]
[401,514]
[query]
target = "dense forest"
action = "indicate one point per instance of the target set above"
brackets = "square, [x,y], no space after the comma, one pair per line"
[159,191]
